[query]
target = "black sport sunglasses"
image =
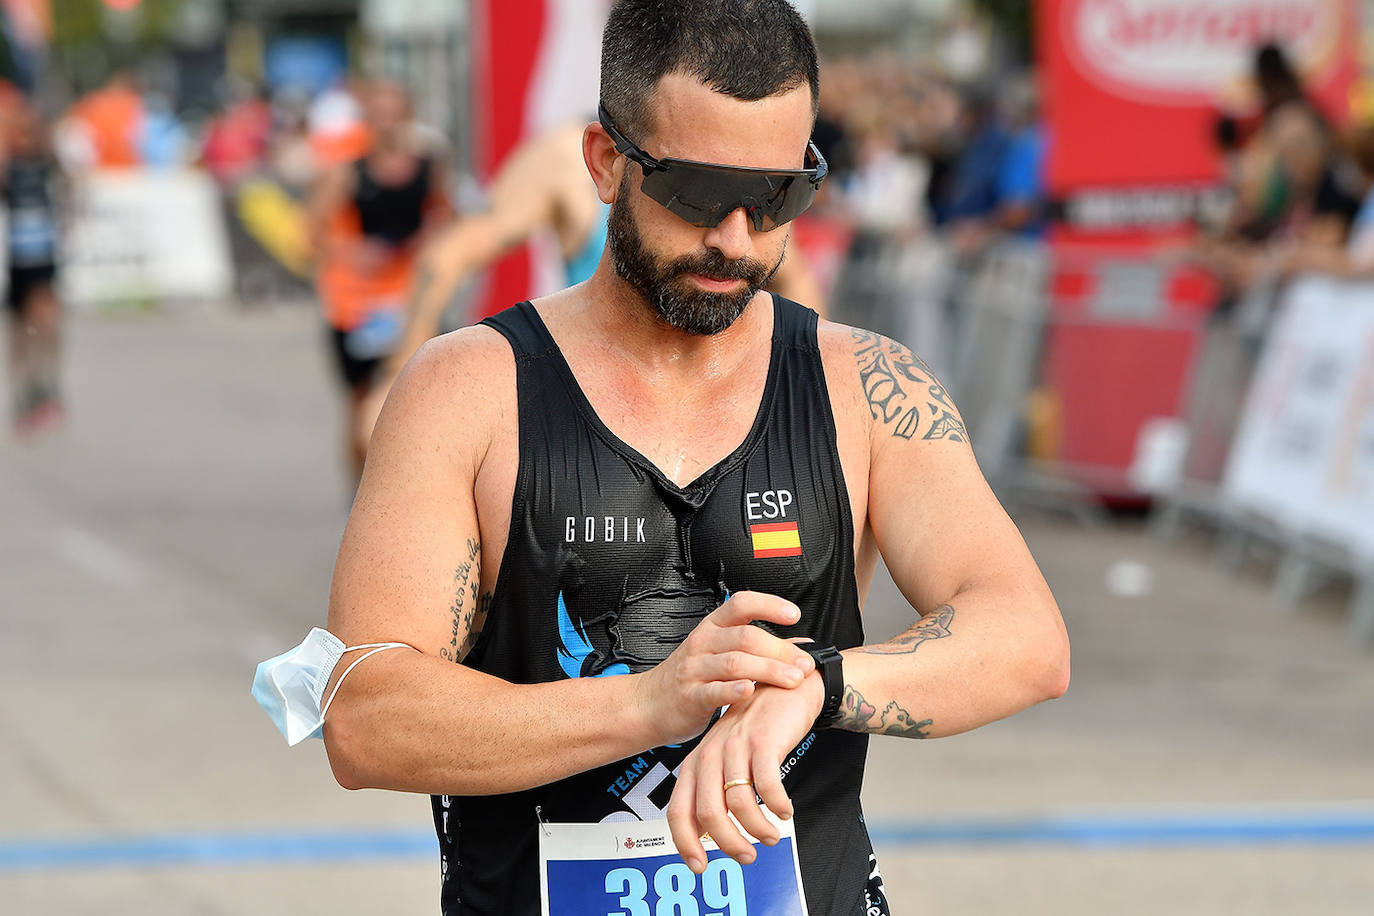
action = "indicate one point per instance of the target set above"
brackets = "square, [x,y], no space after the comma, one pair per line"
[704,193]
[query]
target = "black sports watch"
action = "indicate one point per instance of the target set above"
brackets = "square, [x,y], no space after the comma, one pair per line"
[830,664]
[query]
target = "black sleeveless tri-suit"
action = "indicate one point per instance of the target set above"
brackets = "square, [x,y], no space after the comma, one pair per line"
[609,565]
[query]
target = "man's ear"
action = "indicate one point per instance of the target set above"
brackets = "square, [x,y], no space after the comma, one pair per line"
[604,164]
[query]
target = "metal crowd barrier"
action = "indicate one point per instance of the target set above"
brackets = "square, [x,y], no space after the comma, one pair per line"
[1306,554]
[979,321]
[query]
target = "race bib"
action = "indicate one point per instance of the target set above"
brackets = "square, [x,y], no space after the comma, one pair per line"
[33,237]
[633,869]
[379,332]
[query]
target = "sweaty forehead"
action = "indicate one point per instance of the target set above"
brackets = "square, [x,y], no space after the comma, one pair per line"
[693,121]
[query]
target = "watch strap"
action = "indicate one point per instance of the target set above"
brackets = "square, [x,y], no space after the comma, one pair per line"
[829,662]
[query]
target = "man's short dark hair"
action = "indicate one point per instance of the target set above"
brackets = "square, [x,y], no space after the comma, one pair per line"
[747,49]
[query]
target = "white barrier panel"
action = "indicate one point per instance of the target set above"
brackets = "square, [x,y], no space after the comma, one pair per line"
[1304,452]
[146,236]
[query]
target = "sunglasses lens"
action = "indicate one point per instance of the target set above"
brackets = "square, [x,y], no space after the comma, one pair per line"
[705,196]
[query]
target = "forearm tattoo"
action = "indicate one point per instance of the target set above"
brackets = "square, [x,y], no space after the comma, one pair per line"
[903,394]
[859,715]
[934,625]
[469,607]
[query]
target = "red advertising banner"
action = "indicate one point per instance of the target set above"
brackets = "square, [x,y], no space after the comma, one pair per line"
[1133,90]
[1133,87]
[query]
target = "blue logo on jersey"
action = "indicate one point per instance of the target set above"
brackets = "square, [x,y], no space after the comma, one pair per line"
[576,648]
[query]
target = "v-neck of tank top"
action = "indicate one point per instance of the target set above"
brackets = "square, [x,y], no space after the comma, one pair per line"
[703,483]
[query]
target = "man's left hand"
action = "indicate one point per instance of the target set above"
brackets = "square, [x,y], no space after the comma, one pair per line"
[749,742]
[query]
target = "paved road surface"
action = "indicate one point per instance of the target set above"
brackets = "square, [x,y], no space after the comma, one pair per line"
[183,527]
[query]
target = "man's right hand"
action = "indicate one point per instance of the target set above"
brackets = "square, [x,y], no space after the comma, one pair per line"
[718,664]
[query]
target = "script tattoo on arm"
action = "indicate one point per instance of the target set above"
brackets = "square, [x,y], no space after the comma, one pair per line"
[903,394]
[934,625]
[469,608]
[859,715]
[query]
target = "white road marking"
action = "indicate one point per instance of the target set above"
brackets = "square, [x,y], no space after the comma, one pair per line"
[98,558]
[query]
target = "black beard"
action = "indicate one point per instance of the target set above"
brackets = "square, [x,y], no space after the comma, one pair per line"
[667,291]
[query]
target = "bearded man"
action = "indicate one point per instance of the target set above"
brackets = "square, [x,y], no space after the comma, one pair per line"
[628,528]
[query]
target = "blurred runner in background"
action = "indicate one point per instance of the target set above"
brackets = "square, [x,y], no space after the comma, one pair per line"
[34,310]
[369,218]
[541,186]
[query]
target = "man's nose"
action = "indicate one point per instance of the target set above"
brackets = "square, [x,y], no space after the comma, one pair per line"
[731,236]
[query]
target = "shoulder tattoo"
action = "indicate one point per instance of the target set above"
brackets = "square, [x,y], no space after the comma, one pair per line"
[903,395]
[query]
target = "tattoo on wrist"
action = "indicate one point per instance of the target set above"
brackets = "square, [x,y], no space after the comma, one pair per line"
[934,625]
[469,607]
[859,715]
[903,394]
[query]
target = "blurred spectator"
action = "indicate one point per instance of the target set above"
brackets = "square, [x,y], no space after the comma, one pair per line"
[968,200]
[1356,257]
[117,127]
[1276,83]
[237,139]
[1277,80]
[887,187]
[1312,200]
[830,133]
[1306,206]
[1244,142]
[104,129]
[1021,197]
[162,142]
[966,49]
[266,224]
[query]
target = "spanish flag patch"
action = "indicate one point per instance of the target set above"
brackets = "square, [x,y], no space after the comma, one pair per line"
[777,539]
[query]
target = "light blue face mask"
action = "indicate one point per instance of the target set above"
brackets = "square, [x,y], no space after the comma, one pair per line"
[290,686]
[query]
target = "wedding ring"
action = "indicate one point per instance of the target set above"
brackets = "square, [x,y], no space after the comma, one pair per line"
[738,782]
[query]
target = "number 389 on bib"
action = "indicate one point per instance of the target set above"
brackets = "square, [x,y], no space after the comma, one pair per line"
[645,876]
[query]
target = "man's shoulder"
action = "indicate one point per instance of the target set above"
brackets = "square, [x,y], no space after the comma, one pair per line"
[837,344]
[463,377]
[453,357]
[882,383]
[846,349]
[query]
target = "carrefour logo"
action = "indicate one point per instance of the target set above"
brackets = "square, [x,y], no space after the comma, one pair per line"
[1192,50]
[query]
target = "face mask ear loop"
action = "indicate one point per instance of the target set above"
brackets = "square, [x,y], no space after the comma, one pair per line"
[375,647]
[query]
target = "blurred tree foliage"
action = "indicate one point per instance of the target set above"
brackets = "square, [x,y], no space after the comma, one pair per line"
[1013,20]
[78,23]
[91,39]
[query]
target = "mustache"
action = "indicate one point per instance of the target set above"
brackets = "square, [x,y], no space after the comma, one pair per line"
[711,263]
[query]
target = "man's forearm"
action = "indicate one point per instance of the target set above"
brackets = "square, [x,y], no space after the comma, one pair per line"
[418,723]
[953,670]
